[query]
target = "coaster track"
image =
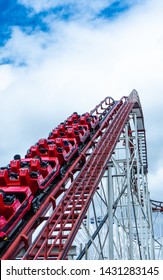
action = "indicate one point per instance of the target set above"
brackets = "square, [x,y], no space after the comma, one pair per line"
[62,204]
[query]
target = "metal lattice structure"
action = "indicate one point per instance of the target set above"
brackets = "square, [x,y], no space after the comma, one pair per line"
[101,208]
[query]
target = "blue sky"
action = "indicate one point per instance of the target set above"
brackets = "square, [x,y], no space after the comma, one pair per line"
[61,56]
[29,18]
[36,17]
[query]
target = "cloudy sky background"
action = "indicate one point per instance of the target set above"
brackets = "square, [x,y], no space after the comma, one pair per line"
[61,56]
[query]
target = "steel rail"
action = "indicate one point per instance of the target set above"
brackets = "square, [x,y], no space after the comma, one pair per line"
[81,190]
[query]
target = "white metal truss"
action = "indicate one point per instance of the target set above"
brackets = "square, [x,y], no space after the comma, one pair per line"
[118,224]
[158,232]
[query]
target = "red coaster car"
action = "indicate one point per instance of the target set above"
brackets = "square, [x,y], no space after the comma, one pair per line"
[91,121]
[32,172]
[76,131]
[55,148]
[15,202]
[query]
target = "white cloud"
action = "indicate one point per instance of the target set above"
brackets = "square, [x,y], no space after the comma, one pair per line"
[74,67]
[7,76]
[91,5]
[39,5]
[156,184]
[23,48]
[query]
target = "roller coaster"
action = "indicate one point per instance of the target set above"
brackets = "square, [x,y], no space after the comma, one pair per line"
[82,192]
